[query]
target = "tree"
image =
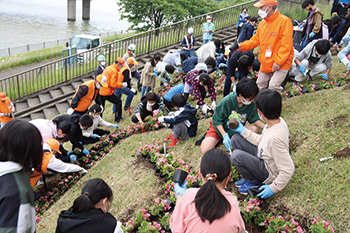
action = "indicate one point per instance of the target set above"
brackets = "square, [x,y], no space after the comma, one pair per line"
[149,14]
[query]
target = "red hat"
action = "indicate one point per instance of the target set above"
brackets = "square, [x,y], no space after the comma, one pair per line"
[266,3]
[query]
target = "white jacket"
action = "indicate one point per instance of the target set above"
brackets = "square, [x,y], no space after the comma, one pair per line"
[98,121]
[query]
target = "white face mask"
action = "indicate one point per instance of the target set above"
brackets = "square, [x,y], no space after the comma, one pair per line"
[103,63]
[260,117]
[98,86]
[262,13]
[245,102]
[208,21]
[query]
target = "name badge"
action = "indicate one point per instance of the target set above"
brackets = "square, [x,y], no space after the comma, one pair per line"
[268,53]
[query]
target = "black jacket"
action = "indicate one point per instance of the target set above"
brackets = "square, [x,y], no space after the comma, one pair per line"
[142,107]
[233,64]
[75,136]
[187,112]
[91,221]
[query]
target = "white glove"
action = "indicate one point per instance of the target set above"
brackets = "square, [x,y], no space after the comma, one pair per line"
[213,105]
[70,111]
[205,108]
[83,171]
[133,90]
[197,106]
[161,119]
[125,84]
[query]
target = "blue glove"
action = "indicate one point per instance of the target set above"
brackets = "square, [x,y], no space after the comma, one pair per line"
[217,54]
[324,76]
[73,158]
[70,152]
[302,69]
[312,34]
[95,136]
[85,151]
[155,74]
[115,126]
[348,66]
[240,128]
[266,193]
[227,141]
[180,189]
[167,79]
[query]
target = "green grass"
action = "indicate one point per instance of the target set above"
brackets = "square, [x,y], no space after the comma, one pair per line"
[118,36]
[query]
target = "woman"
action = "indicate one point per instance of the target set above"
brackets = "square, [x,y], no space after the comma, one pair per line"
[89,212]
[241,20]
[147,77]
[18,155]
[210,208]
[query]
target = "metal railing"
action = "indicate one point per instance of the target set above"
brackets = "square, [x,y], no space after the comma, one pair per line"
[65,69]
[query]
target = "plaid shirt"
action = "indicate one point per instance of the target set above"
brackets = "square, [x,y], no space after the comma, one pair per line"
[192,80]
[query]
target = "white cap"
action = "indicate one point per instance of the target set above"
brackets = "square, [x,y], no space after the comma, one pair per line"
[201,66]
[190,31]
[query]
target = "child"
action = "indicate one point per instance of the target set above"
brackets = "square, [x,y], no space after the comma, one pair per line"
[178,89]
[183,122]
[6,109]
[147,78]
[162,71]
[209,208]
[264,158]
[92,134]
[148,104]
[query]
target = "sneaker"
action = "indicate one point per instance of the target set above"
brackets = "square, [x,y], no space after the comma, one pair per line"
[169,138]
[174,142]
[240,182]
[128,109]
[308,76]
[200,140]
[244,188]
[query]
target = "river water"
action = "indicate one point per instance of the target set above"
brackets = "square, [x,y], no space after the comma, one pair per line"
[25,22]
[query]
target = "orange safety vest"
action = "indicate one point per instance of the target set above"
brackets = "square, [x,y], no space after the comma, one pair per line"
[87,100]
[6,107]
[275,38]
[35,176]
[121,76]
[112,74]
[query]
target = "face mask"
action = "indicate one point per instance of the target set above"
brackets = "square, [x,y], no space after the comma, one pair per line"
[244,12]
[262,13]
[208,21]
[260,117]
[103,63]
[150,104]
[245,102]
[98,86]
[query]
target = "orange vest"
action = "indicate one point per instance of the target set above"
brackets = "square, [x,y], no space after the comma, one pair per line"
[112,74]
[35,176]
[121,76]
[6,107]
[86,100]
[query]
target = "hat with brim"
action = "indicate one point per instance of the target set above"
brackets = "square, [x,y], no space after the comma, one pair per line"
[266,3]
[2,96]
[102,80]
[132,60]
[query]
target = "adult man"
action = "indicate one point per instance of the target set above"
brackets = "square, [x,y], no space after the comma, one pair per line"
[85,95]
[275,38]
[208,28]
[313,27]
[114,80]
[187,43]
[6,109]
[101,65]
[317,56]
[241,101]
[134,73]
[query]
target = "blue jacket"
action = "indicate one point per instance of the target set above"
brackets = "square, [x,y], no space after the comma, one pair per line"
[191,41]
[334,34]
[220,59]
[186,114]
[246,32]
[189,64]
[178,89]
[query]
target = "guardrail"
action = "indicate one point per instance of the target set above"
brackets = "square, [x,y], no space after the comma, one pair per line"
[62,70]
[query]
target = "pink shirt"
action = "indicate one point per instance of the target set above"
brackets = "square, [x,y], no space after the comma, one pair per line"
[185,217]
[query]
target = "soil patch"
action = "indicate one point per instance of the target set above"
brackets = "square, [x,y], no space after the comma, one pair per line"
[345,152]
[296,140]
[339,120]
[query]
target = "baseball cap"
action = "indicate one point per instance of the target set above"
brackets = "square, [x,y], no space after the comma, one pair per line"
[132,60]
[54,144]
[102,79]
[120,60]
[208,17]
[266,3]
[2,95]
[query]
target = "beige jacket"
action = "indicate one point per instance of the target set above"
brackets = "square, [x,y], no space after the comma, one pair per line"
[273,147]
[147,78]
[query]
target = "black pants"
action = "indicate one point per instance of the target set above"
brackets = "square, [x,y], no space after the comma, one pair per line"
[168,104]
[115,100]
[143,116]
[99,132]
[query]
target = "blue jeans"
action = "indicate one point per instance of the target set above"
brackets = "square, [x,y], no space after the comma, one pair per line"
[147,89]
[206,41]
[188,53]
[125,91]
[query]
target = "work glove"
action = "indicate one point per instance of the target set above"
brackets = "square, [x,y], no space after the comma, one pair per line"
[218,54]
[266,193]
[240,128]
[161,119]
[205,108]
[324,76]
[197,106]
[70,152]
[311,35]
[180,189]
[167,79]
[133,90]
[73,158]
[302,69]
[155,73]
[83,171]
[86,151]
[227,141]
[70,111]
[125,84]
[213,105]
[348,66]
[115,126]
[95,136]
